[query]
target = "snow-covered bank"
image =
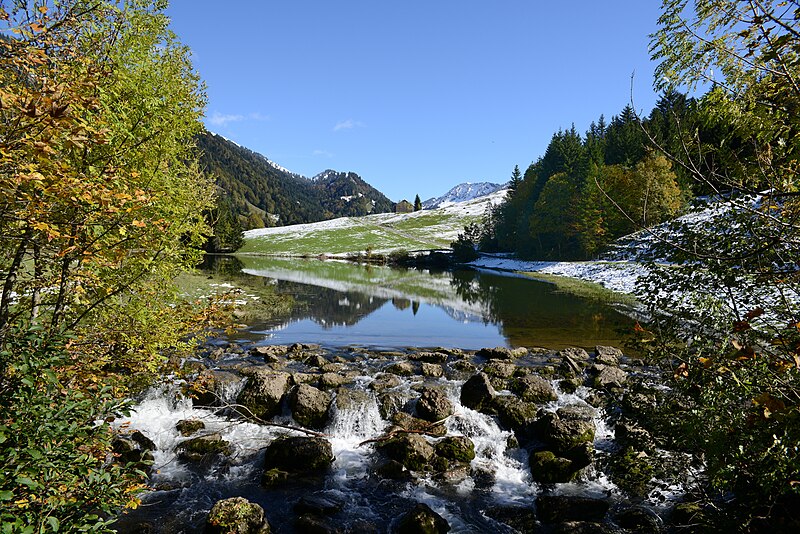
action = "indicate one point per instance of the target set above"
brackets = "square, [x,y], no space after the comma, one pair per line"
[619,276]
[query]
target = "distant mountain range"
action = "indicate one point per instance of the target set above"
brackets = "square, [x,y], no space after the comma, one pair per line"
[462,193]
[262,193]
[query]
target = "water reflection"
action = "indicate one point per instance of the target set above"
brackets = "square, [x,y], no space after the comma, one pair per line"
[340,303]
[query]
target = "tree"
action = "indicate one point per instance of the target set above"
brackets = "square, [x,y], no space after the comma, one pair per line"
[417,203]
[516,180]
[101,205]
[731,298]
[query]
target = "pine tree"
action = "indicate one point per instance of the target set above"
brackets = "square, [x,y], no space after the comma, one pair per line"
[417,203]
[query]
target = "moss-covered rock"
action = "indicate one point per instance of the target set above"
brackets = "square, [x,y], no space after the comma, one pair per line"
[411,450]
[421,520]
[632,471]
[310,406]
[433,405]
[298,454]
[203,449]
[477,393]
[547,468]
[456,448]
[532,388]
[236,516]
[264,391]
[187,427]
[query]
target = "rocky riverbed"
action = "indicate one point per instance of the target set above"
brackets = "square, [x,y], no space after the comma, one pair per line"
[301,438]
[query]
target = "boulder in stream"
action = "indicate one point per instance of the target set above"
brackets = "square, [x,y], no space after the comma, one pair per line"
[236,516]
[433,405]
[421,520]
[298,454]
[310,406]
[607,376]
[477,393]
[213,387]
[203,449]
[263,392]
[607,355]
[187,427]
[411,450]
[456,448]
[566,428]
[532,388]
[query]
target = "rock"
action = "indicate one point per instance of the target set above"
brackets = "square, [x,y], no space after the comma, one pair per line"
[432,369]
[477,392]
[384,381]
[320,503]
[236,516]
[317,360]
[632,471]
[630,434]
[567,428]
[263,392]
[411,450]
[569,385]
[143,441]
[570,366]
[401,368]
[409,422]
[582,527]
[203,449]
[689,515]
[547,468]
[298,455]
[520,518]
[304,378]
[456,448]
[421,520]
[310,406]
[464,366]
[213,388]
[394,470]
[274,477]
[453,474]
[392,402]
[429,357]
[433,405]
[608,376]
[332,380]
[351,399]
[607,355]
[187,427]
[497,353]
[514,413]
[575,353]
[270,353]
[562,508]
[639,519]
[129,451]
[499,369]
[580,455]
[533,388]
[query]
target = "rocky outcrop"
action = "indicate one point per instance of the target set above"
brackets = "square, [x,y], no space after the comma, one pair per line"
[421,520]
[264,391]
[310,406]
[236,516]
[566,428]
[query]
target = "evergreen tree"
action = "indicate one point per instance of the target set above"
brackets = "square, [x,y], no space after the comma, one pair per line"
[417,203]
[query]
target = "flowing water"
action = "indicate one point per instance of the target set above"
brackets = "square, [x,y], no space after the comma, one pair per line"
[344,307]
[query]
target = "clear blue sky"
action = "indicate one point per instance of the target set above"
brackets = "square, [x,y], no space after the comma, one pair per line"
[414,96]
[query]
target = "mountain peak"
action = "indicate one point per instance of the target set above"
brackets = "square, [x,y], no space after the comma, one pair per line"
[462,192]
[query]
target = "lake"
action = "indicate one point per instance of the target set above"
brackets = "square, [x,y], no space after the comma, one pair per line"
[342,303]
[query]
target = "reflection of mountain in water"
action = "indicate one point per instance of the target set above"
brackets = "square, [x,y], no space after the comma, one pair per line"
[527,312]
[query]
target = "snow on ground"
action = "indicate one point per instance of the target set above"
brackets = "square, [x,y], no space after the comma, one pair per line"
[619,276]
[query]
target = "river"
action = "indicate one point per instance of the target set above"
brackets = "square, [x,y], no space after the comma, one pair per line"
[364,320]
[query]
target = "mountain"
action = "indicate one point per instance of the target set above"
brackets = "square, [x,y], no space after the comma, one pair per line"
[461,193]
[262,193]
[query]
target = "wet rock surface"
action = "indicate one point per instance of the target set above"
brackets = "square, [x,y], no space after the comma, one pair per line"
[345,436]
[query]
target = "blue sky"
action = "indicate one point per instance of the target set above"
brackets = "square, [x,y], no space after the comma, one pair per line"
[414,96]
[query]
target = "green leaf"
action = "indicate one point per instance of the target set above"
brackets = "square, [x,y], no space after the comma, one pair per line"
[6,495]
[53,522]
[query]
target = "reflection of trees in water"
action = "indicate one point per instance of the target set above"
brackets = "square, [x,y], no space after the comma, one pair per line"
[523,307]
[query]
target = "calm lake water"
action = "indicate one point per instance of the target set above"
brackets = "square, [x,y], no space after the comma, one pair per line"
[342,303]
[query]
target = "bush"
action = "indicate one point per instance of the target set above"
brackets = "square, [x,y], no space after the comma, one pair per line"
[58,472]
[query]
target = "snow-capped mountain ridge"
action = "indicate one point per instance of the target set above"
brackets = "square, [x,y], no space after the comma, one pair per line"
[462,193]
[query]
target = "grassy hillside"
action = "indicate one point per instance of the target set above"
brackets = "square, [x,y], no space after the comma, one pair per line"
[380,233]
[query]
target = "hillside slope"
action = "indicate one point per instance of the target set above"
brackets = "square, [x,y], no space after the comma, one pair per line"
[263,193]
[379,233]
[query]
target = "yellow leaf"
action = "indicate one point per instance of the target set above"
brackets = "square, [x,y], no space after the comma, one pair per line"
[139,224]
[43,9]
